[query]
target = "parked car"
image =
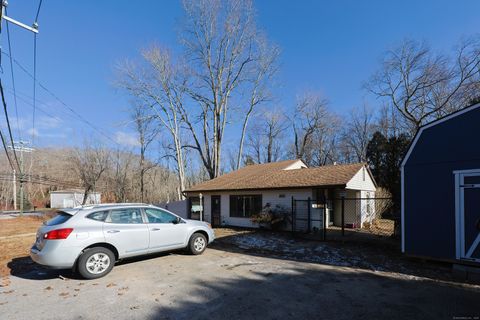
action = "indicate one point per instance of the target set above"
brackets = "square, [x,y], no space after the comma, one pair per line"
[90,239]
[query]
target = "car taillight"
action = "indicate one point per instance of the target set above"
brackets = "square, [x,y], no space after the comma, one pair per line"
[58,234]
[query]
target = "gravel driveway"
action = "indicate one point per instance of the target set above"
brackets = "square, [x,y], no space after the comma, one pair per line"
[233,284]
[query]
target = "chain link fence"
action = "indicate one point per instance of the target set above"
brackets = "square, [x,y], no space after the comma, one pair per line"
[342,217]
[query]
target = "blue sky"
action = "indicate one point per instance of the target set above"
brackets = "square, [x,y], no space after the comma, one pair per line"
[330,47]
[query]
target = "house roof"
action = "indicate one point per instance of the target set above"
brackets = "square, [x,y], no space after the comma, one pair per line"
[278,175]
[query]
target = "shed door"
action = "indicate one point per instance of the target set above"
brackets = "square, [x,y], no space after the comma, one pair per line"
[470,216]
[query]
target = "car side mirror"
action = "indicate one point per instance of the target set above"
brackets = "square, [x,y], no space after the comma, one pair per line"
[177,220]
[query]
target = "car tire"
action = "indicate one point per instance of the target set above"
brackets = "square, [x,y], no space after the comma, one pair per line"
[197,244]
[95,262]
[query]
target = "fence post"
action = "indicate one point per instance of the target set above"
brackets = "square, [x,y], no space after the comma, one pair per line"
[324,218]
[293,215]
[309,214]
[343,215]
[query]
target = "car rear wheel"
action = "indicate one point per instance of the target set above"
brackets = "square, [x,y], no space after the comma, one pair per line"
[96,262]
[197,244]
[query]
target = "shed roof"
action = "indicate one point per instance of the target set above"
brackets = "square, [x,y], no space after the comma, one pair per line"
[278,175]
[73,191]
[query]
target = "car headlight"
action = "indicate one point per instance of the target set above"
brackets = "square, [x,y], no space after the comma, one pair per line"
[209,225]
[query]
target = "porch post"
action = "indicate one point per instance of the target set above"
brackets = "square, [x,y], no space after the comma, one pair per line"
[343,215]
[309,214]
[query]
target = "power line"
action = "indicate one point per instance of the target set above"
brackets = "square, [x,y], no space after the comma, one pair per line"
[13,78]
[2,137]
[64,104]
[34,81]
[35,24]
[8,125]
[38,10]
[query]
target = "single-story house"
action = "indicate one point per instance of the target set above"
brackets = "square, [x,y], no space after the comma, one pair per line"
[71,198]
[233,198]
[441,189]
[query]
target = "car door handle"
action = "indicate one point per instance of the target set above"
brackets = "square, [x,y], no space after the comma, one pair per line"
[155,229]
[113,231]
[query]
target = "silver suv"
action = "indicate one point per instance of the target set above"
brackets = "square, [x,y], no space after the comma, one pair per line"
[91,239]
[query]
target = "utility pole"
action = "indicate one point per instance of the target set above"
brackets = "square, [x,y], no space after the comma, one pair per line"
[33,28]
[21,147]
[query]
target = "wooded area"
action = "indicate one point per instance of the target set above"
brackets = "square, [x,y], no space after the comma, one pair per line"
[211,108]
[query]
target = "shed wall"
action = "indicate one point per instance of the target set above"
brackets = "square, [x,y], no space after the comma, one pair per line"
[429,186]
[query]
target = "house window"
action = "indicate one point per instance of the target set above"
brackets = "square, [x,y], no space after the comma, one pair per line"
[363,173]
[245,206]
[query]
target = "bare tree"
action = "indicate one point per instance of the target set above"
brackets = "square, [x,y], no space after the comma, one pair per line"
[147,130]
[358,130]
[122,167]
[90,163]
[422,85]
[264,140]
[160,84]
[313,128]
[263,71]
[221,43]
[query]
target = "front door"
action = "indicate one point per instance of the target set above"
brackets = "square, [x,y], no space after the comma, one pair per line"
[469,216]
[216,211]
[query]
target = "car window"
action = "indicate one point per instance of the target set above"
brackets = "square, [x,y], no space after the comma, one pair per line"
[98,216]
[159,216]
[60,218]
[127,215]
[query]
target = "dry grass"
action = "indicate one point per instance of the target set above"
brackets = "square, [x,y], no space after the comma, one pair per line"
[16,237]
[225,232]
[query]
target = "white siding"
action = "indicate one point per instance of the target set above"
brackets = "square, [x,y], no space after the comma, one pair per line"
[72,199]
[359,183]
[268,196]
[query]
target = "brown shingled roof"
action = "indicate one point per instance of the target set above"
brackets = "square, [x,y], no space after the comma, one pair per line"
[273,176]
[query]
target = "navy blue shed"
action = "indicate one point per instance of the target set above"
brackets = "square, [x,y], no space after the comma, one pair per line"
[441,189]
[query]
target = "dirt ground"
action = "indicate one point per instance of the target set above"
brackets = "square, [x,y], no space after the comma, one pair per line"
[245,274]
[16,237]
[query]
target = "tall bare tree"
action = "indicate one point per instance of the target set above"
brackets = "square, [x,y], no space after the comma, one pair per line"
[160,84]
[423,85]
[264,140]
[313,127]
[147,130]
[221,42]
[358,131]
[90,163]
[263,71]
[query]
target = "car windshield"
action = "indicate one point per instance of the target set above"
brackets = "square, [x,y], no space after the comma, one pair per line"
[60,218]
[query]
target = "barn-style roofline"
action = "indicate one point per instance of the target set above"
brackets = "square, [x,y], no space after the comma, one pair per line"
[432,124]
[409,151]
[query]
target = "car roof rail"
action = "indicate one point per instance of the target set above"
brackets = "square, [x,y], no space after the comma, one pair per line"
[103,205]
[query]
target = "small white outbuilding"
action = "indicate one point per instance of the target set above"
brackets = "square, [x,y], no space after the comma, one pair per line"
[72,197]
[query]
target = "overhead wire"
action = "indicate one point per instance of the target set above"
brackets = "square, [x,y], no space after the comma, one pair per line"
[13,78]
[35,24]
[62,103]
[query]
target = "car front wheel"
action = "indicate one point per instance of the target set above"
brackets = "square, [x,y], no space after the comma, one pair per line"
[95,262]
[197,243]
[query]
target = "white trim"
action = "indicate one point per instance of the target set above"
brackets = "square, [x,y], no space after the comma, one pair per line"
[402,203]
[460,215]
[467,171]
[434,123]
[458,230]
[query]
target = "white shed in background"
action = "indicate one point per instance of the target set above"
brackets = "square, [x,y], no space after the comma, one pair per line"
[71,198]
